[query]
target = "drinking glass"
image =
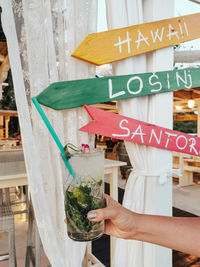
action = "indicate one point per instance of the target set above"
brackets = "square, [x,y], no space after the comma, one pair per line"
[84,193]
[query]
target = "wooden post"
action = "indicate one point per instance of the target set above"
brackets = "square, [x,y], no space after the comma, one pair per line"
[7,119]
[1,117]
[198,118]
[113,194]
[1,127]
[1,90]
[158,197]
[186,179]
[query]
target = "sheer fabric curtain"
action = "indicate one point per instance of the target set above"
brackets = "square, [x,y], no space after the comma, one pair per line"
[46,33]
[126,13]
[143,177]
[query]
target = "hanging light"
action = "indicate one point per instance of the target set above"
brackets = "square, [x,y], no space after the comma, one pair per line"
[178,107]
[191,101]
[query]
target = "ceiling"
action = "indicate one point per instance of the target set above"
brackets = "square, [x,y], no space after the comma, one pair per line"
[181,98]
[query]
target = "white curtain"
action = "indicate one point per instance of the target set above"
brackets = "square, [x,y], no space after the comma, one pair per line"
[140,193]
[41,36]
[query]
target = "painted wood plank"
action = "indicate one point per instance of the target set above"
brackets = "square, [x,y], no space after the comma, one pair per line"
[109,46]
[135,131]
[70,94]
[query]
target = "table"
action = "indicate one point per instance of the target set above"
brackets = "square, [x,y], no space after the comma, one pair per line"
[11,149]
[12,168]
[13,174]
[8,143]
[111,168]
[188,165]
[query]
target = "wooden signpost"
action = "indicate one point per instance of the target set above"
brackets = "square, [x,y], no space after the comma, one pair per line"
[70,94]
[109,46]
[128,129]
[106,47]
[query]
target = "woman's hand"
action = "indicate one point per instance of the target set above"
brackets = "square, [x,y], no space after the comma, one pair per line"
[181,234]
[119,221]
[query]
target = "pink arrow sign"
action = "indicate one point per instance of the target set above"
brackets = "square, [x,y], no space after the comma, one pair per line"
[135,131]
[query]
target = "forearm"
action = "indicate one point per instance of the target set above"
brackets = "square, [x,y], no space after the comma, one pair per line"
[181,234]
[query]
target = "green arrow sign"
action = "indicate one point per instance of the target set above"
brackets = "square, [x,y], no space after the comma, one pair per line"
[71,94]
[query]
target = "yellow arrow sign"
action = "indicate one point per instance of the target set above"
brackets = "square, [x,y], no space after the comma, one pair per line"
[105,47]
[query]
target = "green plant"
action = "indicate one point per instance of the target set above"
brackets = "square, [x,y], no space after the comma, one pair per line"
[8,100]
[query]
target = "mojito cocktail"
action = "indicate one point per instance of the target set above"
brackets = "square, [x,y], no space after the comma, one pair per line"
[85,193]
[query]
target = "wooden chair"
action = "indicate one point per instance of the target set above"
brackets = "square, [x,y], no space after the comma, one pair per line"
[7,158]
[112,153]
[7,225]
[90,260]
